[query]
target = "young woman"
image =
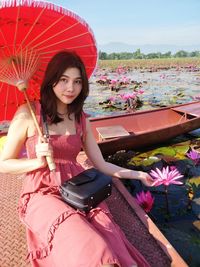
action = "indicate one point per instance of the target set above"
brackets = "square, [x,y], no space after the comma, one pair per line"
[57,234]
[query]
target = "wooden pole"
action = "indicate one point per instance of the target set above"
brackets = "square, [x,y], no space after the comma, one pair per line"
[49,159]
[22,86]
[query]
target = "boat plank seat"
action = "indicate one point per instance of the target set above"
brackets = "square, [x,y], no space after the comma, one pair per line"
[111,132]
[136,225]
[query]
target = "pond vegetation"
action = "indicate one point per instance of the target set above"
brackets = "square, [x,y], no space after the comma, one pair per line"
[124,86]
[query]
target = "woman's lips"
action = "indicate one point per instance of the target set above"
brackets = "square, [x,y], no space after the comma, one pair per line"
[69,96]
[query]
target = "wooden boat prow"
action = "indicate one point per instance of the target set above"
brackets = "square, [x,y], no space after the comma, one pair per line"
[145,127]
[192,109]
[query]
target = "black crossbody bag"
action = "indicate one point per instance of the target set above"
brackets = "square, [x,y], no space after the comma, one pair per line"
[85,190]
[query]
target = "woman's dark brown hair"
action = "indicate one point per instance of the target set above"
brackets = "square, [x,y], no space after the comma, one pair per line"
[55,69]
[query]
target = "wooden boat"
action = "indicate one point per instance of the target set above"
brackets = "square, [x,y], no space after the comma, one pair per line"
[144,128]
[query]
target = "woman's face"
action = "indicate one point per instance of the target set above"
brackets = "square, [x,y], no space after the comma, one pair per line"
[69,86]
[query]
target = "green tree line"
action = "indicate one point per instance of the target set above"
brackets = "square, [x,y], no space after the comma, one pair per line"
[138,55]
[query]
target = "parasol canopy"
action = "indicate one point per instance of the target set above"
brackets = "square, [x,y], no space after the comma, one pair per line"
[31,32]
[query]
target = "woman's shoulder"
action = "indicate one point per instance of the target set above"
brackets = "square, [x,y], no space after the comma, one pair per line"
[20,121]
[22,111]
[23,119]
[25,107]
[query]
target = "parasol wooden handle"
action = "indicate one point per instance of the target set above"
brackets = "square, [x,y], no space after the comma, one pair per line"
[50,161]
[22,86]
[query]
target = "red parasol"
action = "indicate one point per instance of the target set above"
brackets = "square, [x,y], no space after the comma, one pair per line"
[31,32]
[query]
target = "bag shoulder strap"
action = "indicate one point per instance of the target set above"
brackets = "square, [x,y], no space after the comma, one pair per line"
[83,125]
[45,125]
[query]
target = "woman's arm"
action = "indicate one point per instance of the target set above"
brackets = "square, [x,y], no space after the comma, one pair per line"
[17,134]
[94,154]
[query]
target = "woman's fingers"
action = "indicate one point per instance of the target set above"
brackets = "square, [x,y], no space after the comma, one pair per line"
[43,149]
[149,180]
[41,139]
[44,152]
[146,179]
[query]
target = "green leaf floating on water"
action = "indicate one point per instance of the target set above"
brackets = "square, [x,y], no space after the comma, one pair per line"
[140,160]
[165,151]
[182,149]
[174,153]
[150,160]
[137,160]
[147,159]
[195,180]
[173,100]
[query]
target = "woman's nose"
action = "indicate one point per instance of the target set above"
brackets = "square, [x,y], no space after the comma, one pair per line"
[70,86]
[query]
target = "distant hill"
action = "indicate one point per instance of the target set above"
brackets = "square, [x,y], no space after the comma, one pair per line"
[146,49]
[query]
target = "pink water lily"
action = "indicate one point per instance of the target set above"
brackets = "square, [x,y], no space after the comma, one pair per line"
[113,81]
[120,70]
[140,91]
[194,156]
[112,99]
[172,167]
[145,200]
[166,176]
[103,78]
[125,80]
[128,96]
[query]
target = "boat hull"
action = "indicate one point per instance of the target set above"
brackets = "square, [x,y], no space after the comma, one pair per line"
[148,127]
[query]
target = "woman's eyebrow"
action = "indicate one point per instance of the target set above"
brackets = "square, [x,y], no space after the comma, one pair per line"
[64,75]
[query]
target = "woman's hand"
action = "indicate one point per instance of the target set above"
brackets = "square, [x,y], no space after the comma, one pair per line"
[43,150]
[145,178]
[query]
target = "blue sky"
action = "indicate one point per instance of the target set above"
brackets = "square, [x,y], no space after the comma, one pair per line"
[174,22]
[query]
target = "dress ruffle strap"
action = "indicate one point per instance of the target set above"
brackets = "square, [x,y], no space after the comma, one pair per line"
[83,126]
[39,253]
[23,202]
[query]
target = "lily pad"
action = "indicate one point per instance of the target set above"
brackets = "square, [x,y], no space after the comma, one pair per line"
[173,100]
[136,161]
[182,149]
[195,180]
[149,161]
[166,151]
[153,156]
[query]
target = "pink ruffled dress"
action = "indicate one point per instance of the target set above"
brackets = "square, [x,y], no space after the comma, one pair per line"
[58,235]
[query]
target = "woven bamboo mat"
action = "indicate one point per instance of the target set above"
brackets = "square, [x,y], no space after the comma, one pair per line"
[135,231]
[12,233]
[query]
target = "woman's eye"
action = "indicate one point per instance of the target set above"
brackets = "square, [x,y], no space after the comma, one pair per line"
[78,81]
[63,80]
